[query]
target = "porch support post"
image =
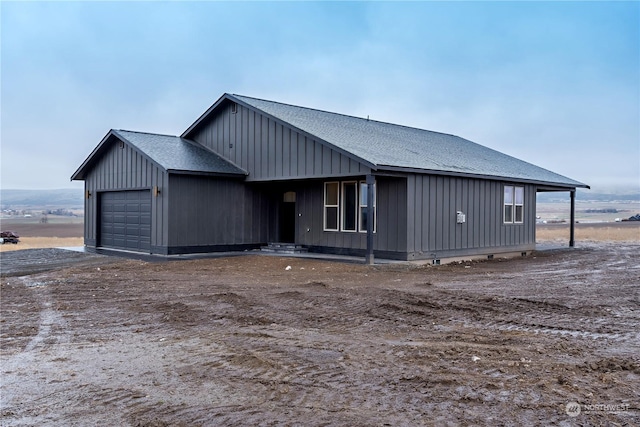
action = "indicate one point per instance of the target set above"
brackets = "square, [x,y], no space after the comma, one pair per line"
[369,257]
[573,219]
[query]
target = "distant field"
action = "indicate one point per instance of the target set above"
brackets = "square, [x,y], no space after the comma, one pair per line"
[586,211]
[59,231]
[56,226]
[598,232]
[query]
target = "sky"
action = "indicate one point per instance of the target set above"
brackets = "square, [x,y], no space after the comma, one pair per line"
[554,83]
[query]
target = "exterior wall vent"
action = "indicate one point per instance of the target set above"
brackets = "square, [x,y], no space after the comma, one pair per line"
[234,107]
[490,256]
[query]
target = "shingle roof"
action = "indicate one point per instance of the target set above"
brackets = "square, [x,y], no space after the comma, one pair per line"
[177,154]
[389,145]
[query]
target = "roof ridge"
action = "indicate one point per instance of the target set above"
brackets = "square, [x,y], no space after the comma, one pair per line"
[346,115]
[146,133]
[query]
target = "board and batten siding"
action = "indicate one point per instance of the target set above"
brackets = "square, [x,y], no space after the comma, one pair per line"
[390,236]
[123,168]
[432,229]
[215,212]
[270,150]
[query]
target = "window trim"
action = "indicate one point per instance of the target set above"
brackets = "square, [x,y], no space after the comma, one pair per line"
[324,213]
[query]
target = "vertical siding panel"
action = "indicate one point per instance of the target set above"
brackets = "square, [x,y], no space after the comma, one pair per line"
[425,210]
[499,238]
[418,210]
[274,149]
[237,138]
[440,226]
[384,213]
[286,152]
[249,164]
[318,158]
[278,151]
[459,207]
[129,175]
[449,188]
[493,218]
[309,149]
[476,213]
[345,164]
[486,214]
[245,139]
[218,136]
[410,218]
[264,145]
[392,232]
[326,167]
[335,162]
[302,155]
[433,212]
[294,161]
[401,244]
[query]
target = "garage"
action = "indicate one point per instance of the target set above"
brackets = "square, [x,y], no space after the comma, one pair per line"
[125,220]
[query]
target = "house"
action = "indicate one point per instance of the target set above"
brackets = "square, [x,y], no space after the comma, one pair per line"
[251,171]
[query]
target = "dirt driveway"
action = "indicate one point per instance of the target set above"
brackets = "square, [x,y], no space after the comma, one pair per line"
[246,341]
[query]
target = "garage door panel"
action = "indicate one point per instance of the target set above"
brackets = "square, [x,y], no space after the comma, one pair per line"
[125,220]
[132,219]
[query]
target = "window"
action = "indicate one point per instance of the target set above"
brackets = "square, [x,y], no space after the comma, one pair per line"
[513,204]
[331,205]
[345,206]
[519,205]
[363,206]
[349,205]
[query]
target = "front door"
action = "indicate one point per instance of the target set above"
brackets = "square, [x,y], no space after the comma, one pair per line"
[288,218]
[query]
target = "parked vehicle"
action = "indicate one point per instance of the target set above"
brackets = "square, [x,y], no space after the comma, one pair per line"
[9,237]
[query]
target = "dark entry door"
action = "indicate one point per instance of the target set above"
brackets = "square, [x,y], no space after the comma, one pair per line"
[125,220]
[288,218]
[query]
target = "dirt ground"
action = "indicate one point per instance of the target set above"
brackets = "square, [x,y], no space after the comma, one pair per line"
[249,341]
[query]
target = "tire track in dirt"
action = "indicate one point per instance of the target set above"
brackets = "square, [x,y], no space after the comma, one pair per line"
[20,382]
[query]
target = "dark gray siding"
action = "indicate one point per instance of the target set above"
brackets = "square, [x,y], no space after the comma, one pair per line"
[390,236]
[126,169]
[269,150]
[216,212]
[432,231]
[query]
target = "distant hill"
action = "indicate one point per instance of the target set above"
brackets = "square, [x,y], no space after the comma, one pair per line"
[70,198]
[588,196]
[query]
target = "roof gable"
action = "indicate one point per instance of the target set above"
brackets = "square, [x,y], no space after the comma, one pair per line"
[171,153]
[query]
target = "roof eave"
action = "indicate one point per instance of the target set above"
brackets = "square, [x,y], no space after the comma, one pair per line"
[559,186]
